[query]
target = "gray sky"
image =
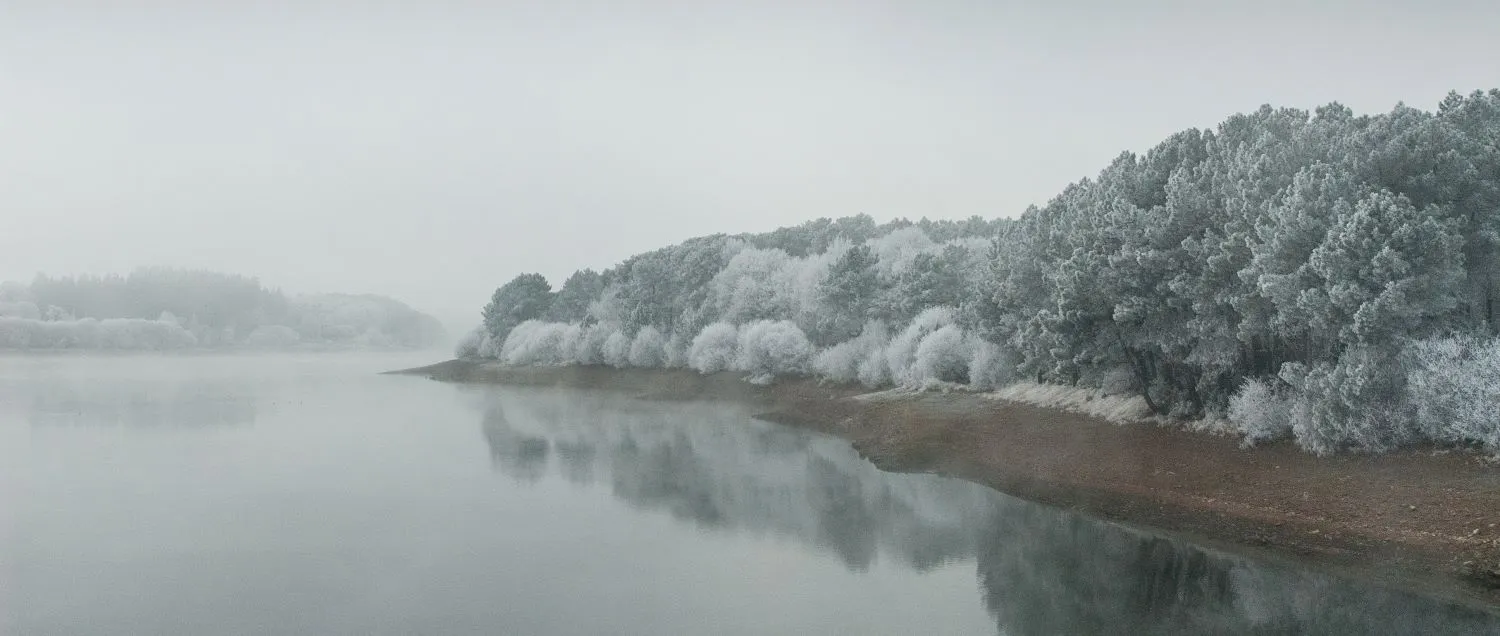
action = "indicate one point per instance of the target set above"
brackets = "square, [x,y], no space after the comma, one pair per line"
[432,153]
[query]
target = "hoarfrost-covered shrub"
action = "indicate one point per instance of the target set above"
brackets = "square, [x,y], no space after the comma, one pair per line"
[647,351]
[770,348]
[1453,385]
[874,372]
[468,345]
[538,343]
[572,342]
[488,347]
[941,357]
[990,365]
[713,350]
[676,352]
[1261,412]
[902,352]
[843,362]
[588,347]
[1356,404]
[617,350]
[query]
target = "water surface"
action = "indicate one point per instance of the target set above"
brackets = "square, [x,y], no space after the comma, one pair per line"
[207,494]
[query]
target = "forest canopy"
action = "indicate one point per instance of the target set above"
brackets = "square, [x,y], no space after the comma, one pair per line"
[163,308]
[1322,275]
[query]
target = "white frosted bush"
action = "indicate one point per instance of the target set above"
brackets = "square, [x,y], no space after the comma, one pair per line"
[648,349]
[770,348]
[616,351]
[537,343]
[567,347]
[1261,412]
[874,372]
[588,347]
[519,343]
[941,357]
[990,365]
[675,352]
[840,362]
[468,346]
[584,350]
[902,352]
[488,347]
[844,362]
[714,349]
[1356,404]
[1453,385]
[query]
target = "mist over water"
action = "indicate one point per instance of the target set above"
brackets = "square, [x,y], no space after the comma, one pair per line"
[306,494]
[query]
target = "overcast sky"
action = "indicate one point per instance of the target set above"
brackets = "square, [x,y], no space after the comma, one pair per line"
[432,153]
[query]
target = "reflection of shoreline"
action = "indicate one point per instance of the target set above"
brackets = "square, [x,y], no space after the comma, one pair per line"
[1331,512]
[1040,570]
[522,457]
[713,466]
[1045,571]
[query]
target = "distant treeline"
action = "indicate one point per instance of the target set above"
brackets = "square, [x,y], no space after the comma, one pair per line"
[162,308]
[1322,275]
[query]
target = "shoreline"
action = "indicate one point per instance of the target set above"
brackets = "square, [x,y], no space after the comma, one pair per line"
[1422,520]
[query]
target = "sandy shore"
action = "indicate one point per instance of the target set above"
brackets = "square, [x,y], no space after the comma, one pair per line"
[1417,519]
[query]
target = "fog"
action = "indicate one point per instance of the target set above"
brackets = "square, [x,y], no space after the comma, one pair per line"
[431,153]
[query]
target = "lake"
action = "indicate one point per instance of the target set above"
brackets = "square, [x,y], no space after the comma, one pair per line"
[306,494]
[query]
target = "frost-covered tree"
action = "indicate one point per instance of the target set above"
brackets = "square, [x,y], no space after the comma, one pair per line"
[1388,269]
[571,303]
[756,284]
[525,297]
[932,279]
[846,295]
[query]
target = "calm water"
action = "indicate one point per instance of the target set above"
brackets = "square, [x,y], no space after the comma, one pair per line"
[307,495]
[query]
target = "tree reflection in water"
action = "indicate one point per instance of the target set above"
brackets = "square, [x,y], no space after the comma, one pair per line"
[1040,570]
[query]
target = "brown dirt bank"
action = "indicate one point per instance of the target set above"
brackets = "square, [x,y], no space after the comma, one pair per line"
[1414,519]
